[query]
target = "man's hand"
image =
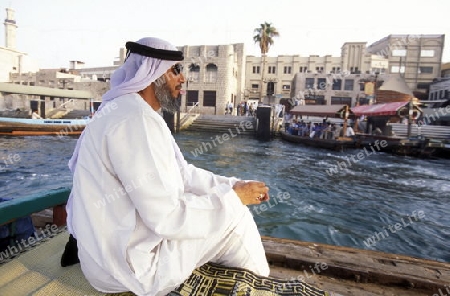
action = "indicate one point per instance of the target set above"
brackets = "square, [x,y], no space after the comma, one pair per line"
[251,192]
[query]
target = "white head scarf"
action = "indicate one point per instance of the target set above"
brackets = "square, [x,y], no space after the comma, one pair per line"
[134,75]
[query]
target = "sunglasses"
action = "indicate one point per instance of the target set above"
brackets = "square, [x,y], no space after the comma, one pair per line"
[177,69]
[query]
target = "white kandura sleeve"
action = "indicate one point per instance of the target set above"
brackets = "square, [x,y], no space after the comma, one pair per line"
[140,151]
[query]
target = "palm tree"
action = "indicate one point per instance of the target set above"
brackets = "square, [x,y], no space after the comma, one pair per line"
[264,37]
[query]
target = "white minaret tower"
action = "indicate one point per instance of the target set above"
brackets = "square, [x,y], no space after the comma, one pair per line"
[10,29]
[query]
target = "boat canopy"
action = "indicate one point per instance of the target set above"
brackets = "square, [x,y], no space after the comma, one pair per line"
[320,110]
[385,109]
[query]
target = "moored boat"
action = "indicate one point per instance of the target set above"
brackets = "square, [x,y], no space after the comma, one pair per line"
[339,112]
[338,144]
[36,127]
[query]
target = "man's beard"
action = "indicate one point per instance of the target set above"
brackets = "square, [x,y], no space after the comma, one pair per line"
[164,96]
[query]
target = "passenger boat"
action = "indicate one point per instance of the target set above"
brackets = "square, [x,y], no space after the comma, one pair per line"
[37,127]
[36,270]
[332,111]
[339,144]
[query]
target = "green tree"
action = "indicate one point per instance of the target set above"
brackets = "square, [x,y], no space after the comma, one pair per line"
[264,37]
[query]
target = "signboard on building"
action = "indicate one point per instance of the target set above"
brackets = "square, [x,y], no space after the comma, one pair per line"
[369,88]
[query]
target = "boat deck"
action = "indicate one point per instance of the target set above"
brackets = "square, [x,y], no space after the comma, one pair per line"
[338,270]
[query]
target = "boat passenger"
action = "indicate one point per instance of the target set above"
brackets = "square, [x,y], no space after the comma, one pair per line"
[305,129]
[339,132]
[143,218]
[327,131]
[35,114]
[350,132]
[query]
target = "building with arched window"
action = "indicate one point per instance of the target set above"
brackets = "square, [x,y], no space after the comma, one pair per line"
[214,74]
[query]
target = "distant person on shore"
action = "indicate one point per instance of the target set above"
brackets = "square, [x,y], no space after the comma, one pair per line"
[229,109]
[35,114]
[142,217]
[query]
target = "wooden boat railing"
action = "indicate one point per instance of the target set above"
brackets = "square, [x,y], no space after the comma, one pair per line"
[20,207]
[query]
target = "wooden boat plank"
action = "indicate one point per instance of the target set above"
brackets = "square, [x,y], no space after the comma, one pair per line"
[342,287]
[359,266]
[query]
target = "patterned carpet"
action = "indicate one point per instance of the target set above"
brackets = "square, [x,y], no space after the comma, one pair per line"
[216,280]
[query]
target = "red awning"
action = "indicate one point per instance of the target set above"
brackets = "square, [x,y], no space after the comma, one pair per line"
[379,109]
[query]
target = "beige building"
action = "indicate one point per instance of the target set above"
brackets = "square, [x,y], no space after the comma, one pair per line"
[315,80]
[215,74]
[276,82]
[417,58]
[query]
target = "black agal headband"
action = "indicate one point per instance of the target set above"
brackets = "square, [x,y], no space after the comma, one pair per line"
[147,51]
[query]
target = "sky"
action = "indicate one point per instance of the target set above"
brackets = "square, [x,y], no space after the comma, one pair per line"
[55,32]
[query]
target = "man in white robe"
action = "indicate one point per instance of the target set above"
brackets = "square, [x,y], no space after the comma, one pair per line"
[143,217]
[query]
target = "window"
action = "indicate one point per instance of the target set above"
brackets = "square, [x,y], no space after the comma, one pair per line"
[287,70]
[341,101]
[354,70]
[271,69]
[286,87]
[270,88]
[309,83]
[427,53]
[211,73]
[303,69]
[399,52]
[322,83]
[319,69]
[191,97]
[348,84]
[337,83]
[209,98]
[426,70]
[256,70]
[194,72]
[423,85]
[255,86]
[397,69]
[314,99]
[362,85]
